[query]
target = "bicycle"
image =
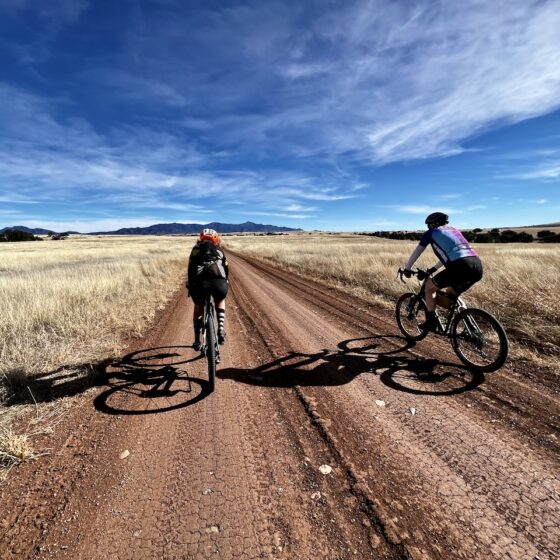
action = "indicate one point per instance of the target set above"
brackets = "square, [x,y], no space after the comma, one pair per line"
[209,347]
[477,337]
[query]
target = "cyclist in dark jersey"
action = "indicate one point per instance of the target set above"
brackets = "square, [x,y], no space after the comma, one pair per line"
[208,274]
[463,267]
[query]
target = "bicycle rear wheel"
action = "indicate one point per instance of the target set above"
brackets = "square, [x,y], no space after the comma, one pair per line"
[479,340]
[410,312]
[211,351]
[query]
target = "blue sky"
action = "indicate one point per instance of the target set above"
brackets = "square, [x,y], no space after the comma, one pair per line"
[336,115]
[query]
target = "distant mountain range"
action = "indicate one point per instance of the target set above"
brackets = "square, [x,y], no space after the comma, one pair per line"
[34,231]
[555,224]
[174,228]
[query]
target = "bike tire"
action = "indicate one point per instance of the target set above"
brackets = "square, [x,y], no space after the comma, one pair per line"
[494,338]
[211,352]
[410,311]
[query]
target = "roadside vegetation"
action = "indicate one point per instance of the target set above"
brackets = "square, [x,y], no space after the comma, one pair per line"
[520,286]
[478,235]
[70,304]
[13,235]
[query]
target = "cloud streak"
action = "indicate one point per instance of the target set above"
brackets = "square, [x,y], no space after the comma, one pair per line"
[380,81]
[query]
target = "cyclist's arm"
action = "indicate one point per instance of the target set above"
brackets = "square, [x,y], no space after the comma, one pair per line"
[414,257]
[424,242]
[191,270]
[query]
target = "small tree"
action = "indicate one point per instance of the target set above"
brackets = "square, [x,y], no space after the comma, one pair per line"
[484,238]
[525,237]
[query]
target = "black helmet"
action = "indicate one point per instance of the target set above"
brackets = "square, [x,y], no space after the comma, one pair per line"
[437,219]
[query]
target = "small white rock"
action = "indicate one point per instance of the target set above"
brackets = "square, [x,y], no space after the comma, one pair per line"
[316,496]
[380,403]
[207,491]
[413,411]
[325,469]
[124,454]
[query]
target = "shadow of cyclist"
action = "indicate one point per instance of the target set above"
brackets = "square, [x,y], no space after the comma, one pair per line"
[384,356]
[151,381]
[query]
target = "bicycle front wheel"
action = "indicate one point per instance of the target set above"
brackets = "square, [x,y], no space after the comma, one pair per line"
[479,340]
[410,312]
[211,352]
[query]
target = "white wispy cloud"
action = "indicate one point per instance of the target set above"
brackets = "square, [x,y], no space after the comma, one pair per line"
[93,225]
[381,80]
[547,171]
[50,159]
[424,209]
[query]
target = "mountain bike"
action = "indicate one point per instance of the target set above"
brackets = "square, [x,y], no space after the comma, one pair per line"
[477,337]
[209,347]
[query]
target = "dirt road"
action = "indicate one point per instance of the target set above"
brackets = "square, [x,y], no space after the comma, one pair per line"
[428,461]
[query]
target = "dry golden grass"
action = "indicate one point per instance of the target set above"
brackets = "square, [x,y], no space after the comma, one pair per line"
[67,303]
[520,285]
[14,448]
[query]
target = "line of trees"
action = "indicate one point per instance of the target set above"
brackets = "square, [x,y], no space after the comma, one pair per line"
[477,235]
[11,235]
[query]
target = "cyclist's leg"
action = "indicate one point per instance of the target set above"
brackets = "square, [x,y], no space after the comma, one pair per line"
[197,294]
[432,285]
[430,290]
[219,292]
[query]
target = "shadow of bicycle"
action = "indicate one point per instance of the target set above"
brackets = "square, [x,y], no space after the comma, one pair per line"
[151,381]
[386,356]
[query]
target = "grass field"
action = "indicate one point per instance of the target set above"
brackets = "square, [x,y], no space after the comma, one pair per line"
[520,285]
[67,303]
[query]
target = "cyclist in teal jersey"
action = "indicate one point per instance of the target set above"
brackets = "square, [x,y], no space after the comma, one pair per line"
[463,267]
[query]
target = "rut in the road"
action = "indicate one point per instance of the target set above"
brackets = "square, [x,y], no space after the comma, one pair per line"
[452,475]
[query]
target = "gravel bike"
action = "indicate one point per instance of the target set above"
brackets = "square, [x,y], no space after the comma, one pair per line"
[477,337]
[209,347]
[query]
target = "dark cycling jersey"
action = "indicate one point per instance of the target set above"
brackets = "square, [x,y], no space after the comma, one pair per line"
[448,244]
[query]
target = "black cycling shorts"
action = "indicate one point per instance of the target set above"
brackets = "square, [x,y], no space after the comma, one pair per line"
[217,288]
[460,274]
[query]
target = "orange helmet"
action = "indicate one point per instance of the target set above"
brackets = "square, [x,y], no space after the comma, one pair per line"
[209,234]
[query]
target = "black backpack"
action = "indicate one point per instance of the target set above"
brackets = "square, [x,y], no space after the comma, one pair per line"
[209,265]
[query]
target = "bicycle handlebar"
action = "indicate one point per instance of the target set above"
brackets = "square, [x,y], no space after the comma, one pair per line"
[417,272]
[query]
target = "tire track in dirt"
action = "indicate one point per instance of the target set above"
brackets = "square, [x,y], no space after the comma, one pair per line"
[522,394]
[486,474]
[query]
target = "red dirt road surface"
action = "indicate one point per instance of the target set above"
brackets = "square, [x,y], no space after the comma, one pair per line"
[427,461]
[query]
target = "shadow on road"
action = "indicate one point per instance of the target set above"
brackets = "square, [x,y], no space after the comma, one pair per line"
[384,356]
[65,381]
[151,381]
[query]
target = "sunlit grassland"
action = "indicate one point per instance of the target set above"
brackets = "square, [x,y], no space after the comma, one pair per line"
[66,303]
[521,283]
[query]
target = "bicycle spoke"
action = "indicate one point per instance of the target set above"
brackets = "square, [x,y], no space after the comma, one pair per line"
[410,312]
[479,340]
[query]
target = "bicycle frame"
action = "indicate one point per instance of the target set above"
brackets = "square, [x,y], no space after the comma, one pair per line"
[208,317]
[473,330]
[457,305]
